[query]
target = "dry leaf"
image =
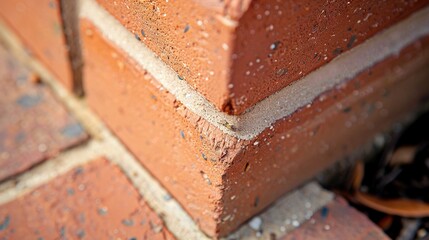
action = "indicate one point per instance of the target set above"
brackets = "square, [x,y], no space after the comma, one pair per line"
[358,174]
[400,207]
[403,155]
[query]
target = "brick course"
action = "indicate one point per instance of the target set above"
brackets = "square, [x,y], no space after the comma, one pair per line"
[34,125]
[337,220]
[94,201]
[237,53]
[219,179]
[223,169]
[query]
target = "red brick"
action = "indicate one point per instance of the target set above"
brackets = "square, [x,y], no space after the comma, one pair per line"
[219,179]
[94,201]
[226,51]
[39,25]
[33,124]
[337,220]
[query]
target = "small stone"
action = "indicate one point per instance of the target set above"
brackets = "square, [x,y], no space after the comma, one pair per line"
[274,45]
[206,178]
[81,233]
[52,4]
[102,211]
[295,223]
[62,231]
[167,197]
[351,41]
[155,227]
[255,223]
[128,222]
[79,170]
[337,51]
[324,212]
[70,191]
[72,130]
[5,223]
[28,101]
[182,134]
[421,233]
[281,72]
[187,27]
[225,46]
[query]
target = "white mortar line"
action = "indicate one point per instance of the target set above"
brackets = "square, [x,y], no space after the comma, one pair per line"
[47,171]
[103,144]
[175,218]
[287,213]
[279,105]
[106,145]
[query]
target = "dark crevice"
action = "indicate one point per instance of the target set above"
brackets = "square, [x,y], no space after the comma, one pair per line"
[70,20]
[228,108]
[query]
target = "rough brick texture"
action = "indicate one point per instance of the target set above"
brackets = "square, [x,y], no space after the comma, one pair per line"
[337,220]
[331,128]
[95,201]
[237,53]
[40,27]
[220,180]
[33,124]
[165,141]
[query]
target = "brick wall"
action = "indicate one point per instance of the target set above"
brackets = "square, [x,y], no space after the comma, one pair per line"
[231,104]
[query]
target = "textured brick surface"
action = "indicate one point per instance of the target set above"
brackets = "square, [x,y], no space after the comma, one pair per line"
[33,124]
[40,27]
[95,201]
[154,126]
[337,220]
[220,180]
[237,53]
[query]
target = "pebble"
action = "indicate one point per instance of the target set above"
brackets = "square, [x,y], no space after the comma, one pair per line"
[255,223]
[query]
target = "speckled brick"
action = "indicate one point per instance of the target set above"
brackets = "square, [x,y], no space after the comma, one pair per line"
[238,52]
[39,25]
[94,201]
[220,180]
[337,220]
[33,124]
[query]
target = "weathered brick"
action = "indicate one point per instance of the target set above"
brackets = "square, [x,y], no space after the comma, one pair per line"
[237,53]
[40,27]
[222,180]
[337,220]
[33,124]
[94,201]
